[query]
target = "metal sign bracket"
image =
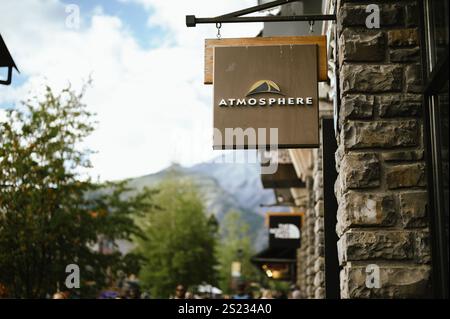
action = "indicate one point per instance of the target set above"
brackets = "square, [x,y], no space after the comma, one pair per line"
[237,16]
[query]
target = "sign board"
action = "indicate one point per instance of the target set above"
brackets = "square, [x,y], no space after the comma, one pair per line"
[285,230]
[266,96]
[235,269]
[319,40]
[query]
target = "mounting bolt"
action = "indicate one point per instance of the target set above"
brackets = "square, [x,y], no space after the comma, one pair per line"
[190,21]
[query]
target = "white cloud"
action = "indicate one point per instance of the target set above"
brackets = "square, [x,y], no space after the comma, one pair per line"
[152,105]
[171,14]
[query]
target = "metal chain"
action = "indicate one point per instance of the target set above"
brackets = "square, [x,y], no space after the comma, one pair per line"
[218,26]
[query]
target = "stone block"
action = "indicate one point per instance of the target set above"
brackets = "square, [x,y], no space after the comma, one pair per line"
[365,209]
[359,171]
[371,78]
[319,208]
[396,281]
[319,239]
[403,156]
[319,264]
[319,279]
[359,46]
[310,291]
[413,78]
[318,181]
[400,245]
[318,225]
[357,106]
[319,293]
[381,134]
[319,251]
[403,37]
[413,209]
[422,246]
[405,55]
[356,15]
[412,14]
[406,175]
[399,105]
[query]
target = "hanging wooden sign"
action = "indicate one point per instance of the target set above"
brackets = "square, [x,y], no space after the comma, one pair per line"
[266,96]
[320,41]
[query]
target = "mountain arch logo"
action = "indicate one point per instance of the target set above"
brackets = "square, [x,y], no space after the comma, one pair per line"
[264,86]
[286,231]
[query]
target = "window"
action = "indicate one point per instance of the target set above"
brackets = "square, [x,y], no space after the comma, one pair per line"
[436,86]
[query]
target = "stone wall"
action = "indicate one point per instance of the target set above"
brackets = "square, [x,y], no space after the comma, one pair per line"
[310,261]
[301,265]
[306,254]
[382,216]
[319,240]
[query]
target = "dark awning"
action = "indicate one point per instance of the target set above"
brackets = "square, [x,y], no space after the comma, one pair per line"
[277,263]
[284,177]
[275,255]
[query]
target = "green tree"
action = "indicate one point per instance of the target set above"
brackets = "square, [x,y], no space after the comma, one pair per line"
[235,245]
[47,217]
[180,240]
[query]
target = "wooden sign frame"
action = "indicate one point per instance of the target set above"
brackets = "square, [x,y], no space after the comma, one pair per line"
[268,214]
[274,220]
[320,41]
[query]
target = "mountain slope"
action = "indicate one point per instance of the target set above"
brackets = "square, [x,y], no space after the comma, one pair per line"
[242,181]
[223,187]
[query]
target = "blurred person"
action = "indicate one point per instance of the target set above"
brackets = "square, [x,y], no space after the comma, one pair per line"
[295,292]
[131,290]
[109,294]
[134,294]
[257,294]
[279,295]
[146,295]
[60,295]
[180,292]
[3,292]
[266,294]
[241,292]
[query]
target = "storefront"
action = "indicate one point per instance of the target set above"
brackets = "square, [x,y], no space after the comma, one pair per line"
[388,200]
[374,190]
[377,201]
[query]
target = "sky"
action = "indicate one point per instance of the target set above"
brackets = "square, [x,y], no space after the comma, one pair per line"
[146,68]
